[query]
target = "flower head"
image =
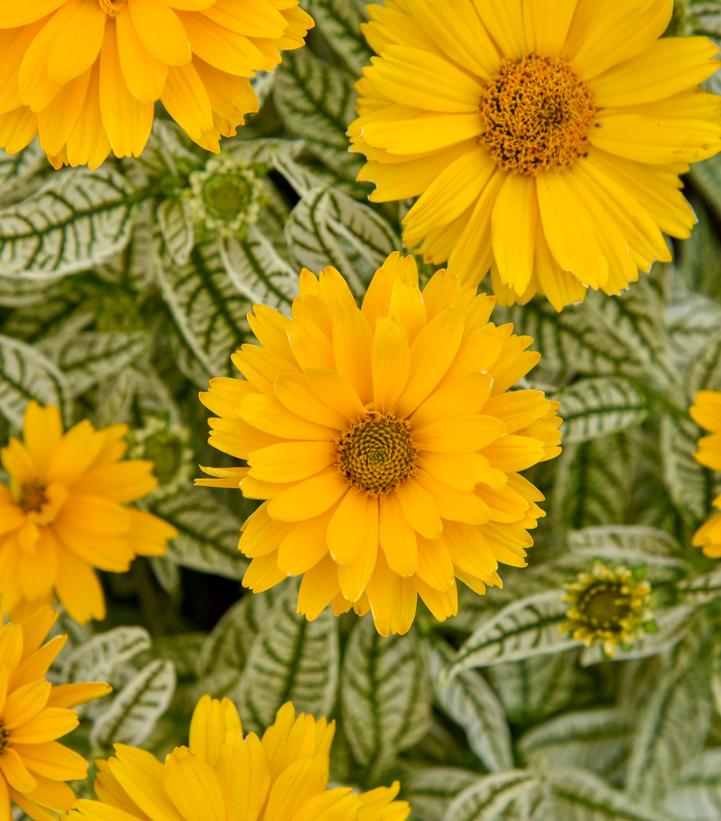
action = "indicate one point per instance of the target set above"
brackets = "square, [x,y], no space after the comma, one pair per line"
[167,447]
[85,74]
[706,412]
[222,774]
[544,141]
[64,513]
[608,606]
[34,714]
[384,443]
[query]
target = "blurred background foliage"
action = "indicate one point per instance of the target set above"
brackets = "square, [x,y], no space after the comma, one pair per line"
[123,290]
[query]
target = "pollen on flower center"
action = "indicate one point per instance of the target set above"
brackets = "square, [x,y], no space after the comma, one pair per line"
[4,738]
[112,8]
[605,605]
[32,497]
[537,113]
[377,454]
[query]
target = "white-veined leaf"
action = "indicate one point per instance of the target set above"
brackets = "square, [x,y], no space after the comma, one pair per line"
[672,727]
[581,796]
[291,659]
[26,374]
[596,740]
[135,710]
[176,228]
[597,407]
[527,627]
[692,320]
[635,539]
[209,312]
[689,484]
[88,358]
[258,271]
[493,795]
[704,372]
[208,533]
[701,589]
[340,22]
[385,694]
[697,793]
[22,173]
[430,790]
[75,221]
[471,703]
[96,658]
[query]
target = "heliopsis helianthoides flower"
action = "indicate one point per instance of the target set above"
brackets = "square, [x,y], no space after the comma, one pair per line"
[385,444]
[33,715]
[706,412]
[223,776]
[64,514]
[544,138]
[610,606]
[85,74]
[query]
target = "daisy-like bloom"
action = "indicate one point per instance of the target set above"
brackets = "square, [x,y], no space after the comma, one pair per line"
[64,514]
[543,138]
[385,444]
[610,606]
[85,74]
[223,776]
[706,412]
[33,715]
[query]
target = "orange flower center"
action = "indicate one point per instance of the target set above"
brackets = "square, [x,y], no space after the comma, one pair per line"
[32,497]
[112,8]
[377,454]
[537,113]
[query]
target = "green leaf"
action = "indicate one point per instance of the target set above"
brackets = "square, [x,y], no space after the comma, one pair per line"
[696,795]
[136,709]
[317,102]
[430,790]
[176,228]
[291,659]
[672,727]
[340,23]
[208,310]
[705,371]
[208,533]
[87,358]
[26,374]
[258,271]
[96,658]
[492,795]
[693,319]
[75,221]
[21,173]
[593,408]
[582,796]
[472,704]
[527,627]
[385,694]
[596,740]
[329,228]
[689,484]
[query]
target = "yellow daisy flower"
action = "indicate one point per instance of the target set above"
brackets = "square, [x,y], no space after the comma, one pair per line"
[706,412]
[33,715]
[544,139]
[85,74]
[221,775]
[64,514]
[610,606]
[385,444]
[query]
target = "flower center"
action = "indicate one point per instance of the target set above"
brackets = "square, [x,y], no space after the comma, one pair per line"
[227,196]
[112,8]
[4,738]
[537,113]
[377,454]
[604,606]
[32,497]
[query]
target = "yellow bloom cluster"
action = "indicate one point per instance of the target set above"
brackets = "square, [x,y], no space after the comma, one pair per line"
[222,774]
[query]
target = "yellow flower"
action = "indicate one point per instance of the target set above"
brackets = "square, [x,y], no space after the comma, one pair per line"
[707,413]
[85,74]
[544,138]
[385,443]
[33,714]
[609,606]
[64,514]
[223,775]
